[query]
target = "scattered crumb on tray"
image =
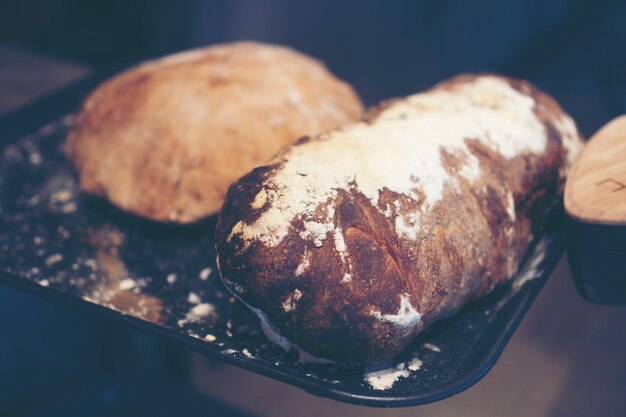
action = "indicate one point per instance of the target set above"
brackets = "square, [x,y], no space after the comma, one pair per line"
[415,364]
[204,274]
[69,208]
[61,196]
[193,298]
[196,313]
[33,201]
[35,158]
[115,288]
[53,259]
[432,347]
[210,338]
[142,306]
[127,284]
[92,264]
[171,278]
[202,310]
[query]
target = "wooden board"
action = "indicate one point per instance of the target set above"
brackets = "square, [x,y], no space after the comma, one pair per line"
[596,188]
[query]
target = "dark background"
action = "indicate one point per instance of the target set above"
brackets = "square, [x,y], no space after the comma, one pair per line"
[573,49]
[576,50]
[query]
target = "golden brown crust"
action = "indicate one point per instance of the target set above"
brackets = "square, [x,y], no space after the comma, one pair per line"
[165,139]
[353,305]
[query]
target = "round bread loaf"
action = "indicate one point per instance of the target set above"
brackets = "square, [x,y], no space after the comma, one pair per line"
[349,244]
[164,140]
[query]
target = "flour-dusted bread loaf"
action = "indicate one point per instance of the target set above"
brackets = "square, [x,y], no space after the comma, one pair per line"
[350,243]
[164,140]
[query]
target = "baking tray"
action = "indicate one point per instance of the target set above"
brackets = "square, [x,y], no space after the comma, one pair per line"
[77,250]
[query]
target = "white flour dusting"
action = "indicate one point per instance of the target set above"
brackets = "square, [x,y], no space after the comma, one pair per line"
[385,378]
[304,264]
[127,284]
[407,316]
[53,259]
[316,232]
[193,298]
[204,274]
[532,269]
[414,131]
[196,313]
[415,364]
[291,302]
[260,199]
[432,347]
[408,225]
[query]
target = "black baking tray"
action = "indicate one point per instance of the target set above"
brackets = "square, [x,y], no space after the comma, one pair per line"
[77,250]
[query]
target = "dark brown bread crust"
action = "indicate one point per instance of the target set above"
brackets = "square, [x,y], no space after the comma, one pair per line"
[464,248]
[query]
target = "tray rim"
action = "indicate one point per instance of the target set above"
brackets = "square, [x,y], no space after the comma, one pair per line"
[306,383]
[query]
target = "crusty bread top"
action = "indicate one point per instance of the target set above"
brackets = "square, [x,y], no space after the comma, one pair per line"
[165,139]
[488,110]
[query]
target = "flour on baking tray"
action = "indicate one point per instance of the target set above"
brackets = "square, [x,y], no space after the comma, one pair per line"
[383,379]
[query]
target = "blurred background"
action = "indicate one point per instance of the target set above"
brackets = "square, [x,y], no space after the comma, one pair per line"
[567,359]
